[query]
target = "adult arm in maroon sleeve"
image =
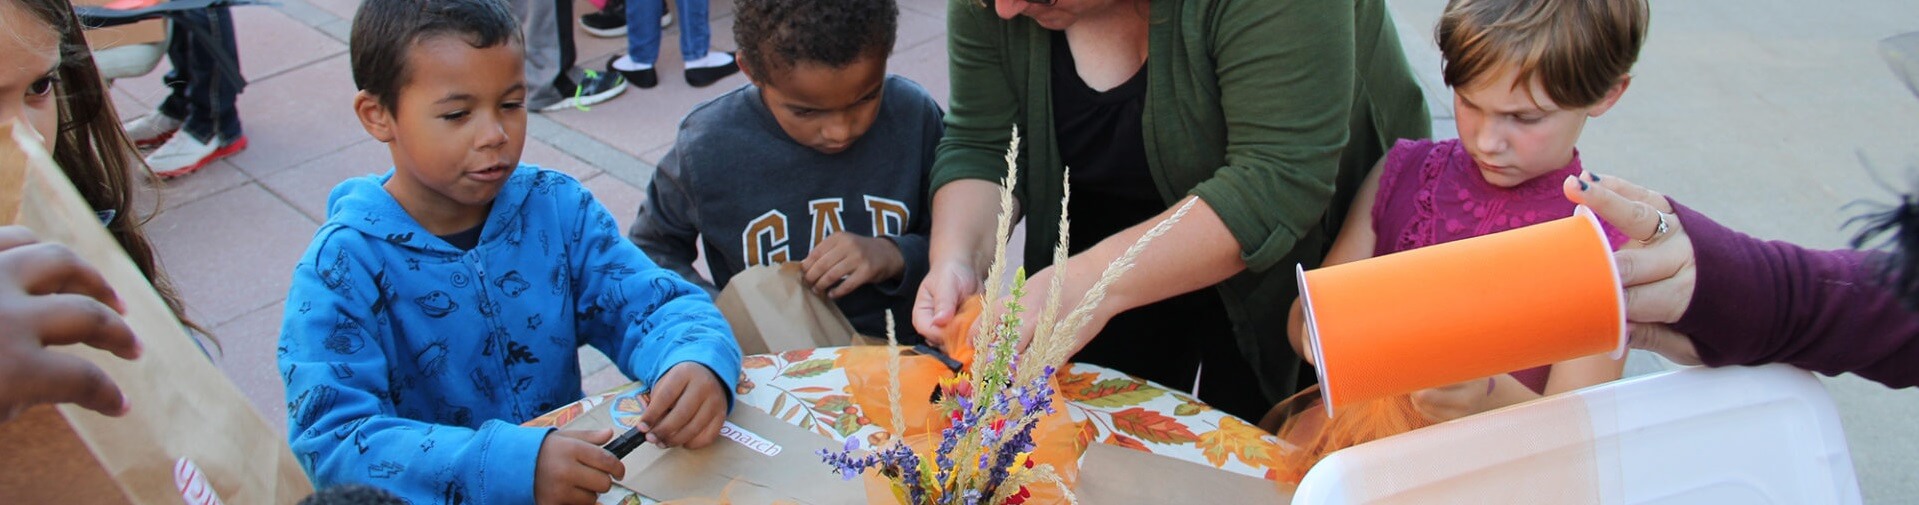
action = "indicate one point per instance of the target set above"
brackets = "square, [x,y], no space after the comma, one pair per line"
[1698,292]
[1758,302]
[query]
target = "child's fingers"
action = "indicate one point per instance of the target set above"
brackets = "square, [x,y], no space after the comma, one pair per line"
[75,319]
[820,275]
[12,236]
[840,277]
[604,465]
[51,377]
[859,277]
[47,268]
[671,431]
[665,395]
[715,413]
[577,495]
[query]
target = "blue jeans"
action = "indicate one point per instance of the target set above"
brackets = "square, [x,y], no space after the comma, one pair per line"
[206,77]
[643,29]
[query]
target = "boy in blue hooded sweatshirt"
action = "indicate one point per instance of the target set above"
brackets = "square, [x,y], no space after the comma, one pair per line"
[442,303]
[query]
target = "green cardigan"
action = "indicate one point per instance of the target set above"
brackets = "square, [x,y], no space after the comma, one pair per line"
[1270,110]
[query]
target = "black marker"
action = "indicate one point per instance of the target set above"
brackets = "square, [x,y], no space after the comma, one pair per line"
[626,443]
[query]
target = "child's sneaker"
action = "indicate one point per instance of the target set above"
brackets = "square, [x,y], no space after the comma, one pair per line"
[184,155]
[151,130]
[589,87]
[610,21]
[711,69]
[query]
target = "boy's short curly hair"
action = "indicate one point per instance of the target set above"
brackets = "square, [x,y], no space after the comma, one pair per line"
[1578,49]
[385,31]
[776,35]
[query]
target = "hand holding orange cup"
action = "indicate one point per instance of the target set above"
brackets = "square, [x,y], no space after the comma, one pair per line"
[1463,310]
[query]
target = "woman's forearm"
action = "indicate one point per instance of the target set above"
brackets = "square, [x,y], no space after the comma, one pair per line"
[1196,252]
[964,215]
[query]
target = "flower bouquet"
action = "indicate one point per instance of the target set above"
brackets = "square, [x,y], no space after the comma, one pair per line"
[990,450]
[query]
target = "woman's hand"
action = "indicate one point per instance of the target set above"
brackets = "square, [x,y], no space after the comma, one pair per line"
[947,284]
[1657,268]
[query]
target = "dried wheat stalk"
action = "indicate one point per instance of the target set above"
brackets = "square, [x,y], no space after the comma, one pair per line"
[995,273]
[893,373]
[1053,350]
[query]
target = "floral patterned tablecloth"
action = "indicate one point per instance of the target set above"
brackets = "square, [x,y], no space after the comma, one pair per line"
[806,388]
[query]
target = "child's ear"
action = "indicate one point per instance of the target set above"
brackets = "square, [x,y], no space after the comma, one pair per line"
[375,117]
[750,72]
[1611,98]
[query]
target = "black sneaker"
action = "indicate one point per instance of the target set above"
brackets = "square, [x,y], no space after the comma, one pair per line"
[608,22]
[703,77]
[590,87]
[645,79]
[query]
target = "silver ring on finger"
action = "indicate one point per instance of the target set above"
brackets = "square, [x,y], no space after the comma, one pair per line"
[1659,231]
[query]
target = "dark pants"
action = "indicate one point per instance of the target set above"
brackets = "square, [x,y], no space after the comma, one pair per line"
[206,77]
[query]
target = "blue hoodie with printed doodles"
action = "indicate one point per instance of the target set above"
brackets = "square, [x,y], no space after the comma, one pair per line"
[409,363]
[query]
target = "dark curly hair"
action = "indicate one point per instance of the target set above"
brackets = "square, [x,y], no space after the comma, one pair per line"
[833,33]
[384,32]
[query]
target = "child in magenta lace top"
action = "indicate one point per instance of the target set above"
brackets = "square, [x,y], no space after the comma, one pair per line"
[1525,74]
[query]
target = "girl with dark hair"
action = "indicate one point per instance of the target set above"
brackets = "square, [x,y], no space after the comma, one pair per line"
[48,296]
[67,103]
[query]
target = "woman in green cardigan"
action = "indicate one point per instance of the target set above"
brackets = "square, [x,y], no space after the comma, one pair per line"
[1268,112]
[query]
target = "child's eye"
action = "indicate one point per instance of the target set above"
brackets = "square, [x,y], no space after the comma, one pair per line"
[512,105]
[1524,119]
[454,116]
[43,86]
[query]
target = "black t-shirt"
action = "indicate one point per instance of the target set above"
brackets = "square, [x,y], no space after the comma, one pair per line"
[1100,139]
[1100,136]
[465,240]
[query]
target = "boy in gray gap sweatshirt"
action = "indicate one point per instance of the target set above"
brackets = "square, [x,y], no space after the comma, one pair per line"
[821,159]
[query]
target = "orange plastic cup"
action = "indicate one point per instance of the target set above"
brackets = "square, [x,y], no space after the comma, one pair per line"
[1463,310]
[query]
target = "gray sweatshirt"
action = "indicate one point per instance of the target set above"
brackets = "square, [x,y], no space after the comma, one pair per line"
[750,195]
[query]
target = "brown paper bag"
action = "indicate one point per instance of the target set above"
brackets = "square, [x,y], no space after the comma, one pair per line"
[181,406]
[737,465]
[771,311]
[1117,475]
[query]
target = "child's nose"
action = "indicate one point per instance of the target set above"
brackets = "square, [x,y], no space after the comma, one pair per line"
[837,132]
[493,135]
[1489,138]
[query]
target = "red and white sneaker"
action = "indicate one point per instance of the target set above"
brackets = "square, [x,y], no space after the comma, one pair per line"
[184,155]
[151,130]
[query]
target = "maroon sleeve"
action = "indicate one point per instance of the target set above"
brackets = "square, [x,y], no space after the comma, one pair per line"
[1760,302]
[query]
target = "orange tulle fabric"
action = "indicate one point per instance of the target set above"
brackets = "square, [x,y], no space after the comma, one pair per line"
[1059,441]
[871,388]
[1312,436]
[958,332]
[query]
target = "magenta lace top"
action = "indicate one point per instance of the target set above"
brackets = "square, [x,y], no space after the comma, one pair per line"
[1431,193]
